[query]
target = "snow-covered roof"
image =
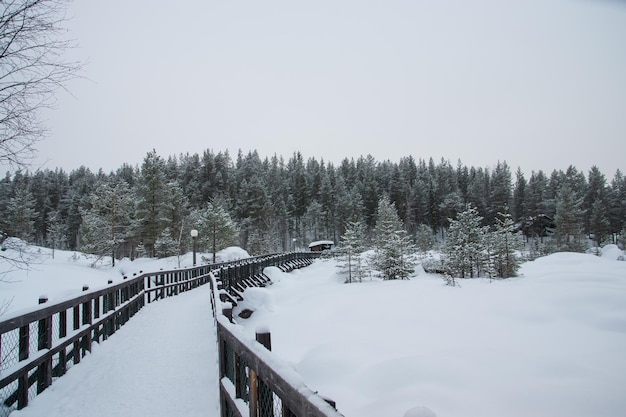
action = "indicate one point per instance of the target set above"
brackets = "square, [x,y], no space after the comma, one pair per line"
[321,242]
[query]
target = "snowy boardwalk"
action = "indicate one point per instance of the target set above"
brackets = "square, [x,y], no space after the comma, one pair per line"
[162,363]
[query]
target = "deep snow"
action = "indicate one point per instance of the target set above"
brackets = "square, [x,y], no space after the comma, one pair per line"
[65,275]
[549,343]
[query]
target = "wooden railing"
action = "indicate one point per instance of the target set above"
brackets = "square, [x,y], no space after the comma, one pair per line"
[40,345]
[253,381]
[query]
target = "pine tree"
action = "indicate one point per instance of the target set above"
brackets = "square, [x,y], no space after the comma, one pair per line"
[499,191]
[21,215]
[569,221]
[313,222]
[393,256]
[165,244]
[107,223]
[216,228]
[504,243]
[55,236]
[151,201]
[465,244]
[599,222]
[519,196]
[596,207]
[175,210]
[616,201]
[424,239]
[352,247]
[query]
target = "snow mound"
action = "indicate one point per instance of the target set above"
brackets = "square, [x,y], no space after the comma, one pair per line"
[273,273]
[420,411]
[612,252]
[256,299]
[232,253]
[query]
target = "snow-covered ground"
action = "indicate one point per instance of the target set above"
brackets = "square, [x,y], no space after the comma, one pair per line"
[549,343]
[65,275]
[163,363]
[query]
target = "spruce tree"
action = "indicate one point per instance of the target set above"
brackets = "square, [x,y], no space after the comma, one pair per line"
[464,248]
[165,244]
[55,236]
[216,229]
[393,255]
[424,240]
[504,244]
[569,221]
[151,201]
[106,225]
[352,247]
[21,215]
[599,222]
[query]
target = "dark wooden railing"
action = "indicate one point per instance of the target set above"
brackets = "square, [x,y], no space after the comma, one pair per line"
[253,381]
[40,345]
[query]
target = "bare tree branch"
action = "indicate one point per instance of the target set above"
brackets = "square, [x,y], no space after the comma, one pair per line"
[31,70]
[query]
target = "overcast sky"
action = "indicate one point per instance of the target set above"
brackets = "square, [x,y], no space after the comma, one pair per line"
[540,84]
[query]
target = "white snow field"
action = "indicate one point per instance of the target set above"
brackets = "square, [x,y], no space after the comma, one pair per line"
[549,343]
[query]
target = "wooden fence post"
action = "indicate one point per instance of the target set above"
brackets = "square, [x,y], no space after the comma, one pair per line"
[62,334]
[86,342]
[44,341]
[22,388]
[76,317]
[265,396]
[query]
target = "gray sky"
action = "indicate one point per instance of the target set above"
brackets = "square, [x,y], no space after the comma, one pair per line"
[540,84]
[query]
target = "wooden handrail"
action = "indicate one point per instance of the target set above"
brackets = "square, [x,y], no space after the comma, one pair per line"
[97,314]
[287,384]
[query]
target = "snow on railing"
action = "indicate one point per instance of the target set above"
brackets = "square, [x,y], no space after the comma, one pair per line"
[253,381]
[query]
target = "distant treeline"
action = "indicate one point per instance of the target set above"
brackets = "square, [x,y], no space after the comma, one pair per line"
[279,205]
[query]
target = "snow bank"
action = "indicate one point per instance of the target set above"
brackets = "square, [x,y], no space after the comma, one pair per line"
[548,343]
[232,253]
[612,252]
[63,276]
[255,299]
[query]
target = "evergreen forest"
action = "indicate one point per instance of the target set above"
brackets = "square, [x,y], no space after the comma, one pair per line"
[269,204]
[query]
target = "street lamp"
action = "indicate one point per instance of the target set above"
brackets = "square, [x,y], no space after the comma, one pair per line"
[194,235]
[294,244]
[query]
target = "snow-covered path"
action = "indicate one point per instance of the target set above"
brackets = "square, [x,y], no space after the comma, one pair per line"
[161,363]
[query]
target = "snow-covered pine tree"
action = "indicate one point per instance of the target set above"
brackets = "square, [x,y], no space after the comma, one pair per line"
[352,246]
[107,223]
[21,215]
[568,220]
[152,201]
[216,228]
[504,244]
[175,210]
[463,251]
[424,239]
[599,224]
[393,255]
[408,259]
[55,236]
[165,244]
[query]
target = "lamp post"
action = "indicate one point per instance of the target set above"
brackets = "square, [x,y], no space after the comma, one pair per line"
[214,242]
[194,235]
[294,244]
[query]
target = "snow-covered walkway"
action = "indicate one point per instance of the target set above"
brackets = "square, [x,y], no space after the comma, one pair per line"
[161,363]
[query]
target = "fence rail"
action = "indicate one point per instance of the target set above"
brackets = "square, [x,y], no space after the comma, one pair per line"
[41,345]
